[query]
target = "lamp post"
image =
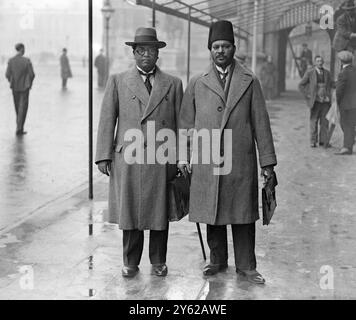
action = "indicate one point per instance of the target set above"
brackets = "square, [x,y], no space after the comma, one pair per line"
[107,11]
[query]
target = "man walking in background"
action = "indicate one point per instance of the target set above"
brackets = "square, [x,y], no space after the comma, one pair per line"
[346,100]
[66,71]
[345,37]
[316,87]
[101,64]
[20,74]
[306,58]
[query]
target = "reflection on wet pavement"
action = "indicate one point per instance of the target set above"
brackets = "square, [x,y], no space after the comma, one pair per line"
[51,159]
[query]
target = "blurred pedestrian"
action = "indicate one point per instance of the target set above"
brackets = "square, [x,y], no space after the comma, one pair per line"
[316,86]
[20,74]
[241,58]
[138,196]
[101,64]
[228,96]
[345,36]
[346,100]
[66,71]
[305,58]
[268,78]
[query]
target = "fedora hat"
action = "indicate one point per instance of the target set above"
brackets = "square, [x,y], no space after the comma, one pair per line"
[146,36]
[348,5]
[345,56]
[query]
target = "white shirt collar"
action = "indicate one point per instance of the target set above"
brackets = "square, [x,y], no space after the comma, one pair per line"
[151,71]
[345,65]
[221,70]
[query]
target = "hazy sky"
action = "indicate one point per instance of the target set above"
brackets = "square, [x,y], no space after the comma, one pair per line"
[55,4]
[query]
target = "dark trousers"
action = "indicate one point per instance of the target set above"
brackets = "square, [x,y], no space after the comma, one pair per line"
[348,123]
[244,245]
[318,115]
[133,246]
[64,83]
[21,106]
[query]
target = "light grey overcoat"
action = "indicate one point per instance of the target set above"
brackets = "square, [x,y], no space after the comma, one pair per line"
[138,192]
[231,198]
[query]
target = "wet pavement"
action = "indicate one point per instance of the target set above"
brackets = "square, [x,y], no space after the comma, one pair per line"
[52,158]
[65,250]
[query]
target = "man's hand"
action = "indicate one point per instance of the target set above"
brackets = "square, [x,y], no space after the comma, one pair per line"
[267,172]
[184,167]
[105,167]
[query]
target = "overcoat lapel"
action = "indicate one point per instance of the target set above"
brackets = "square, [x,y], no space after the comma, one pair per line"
[136,85]
[211,81]
[240,81]
[159,90]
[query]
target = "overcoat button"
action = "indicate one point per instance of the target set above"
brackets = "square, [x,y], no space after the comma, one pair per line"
[220,109]
[166,97]
[133,97]
[145,145]
[163,122]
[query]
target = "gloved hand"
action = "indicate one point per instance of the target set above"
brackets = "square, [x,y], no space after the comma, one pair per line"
[267,172]
[184,168]
[105,167]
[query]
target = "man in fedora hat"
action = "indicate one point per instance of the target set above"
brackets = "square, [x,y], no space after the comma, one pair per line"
[345,36]
[228,96]
[346,100]
[142,99]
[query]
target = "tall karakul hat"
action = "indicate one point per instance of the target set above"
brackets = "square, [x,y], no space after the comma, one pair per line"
[221,30]
[146,36]
[348,5]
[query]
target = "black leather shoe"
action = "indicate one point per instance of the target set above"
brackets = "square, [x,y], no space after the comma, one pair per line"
[313,145]
[252,276]
[160,270]
[211,269]
[129,272]
[344,151]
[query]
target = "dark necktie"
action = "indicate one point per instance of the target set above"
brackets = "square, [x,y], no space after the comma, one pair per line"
[147,81]
[223,77]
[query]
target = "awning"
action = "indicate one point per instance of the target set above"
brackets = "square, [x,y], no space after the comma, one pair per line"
[279,14]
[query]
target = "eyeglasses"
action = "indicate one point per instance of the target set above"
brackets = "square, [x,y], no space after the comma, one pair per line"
[141,50]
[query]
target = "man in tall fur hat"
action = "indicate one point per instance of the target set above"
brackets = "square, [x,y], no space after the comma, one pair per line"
[228,97]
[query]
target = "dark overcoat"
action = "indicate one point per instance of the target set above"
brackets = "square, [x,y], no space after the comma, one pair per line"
[346,88]
[309,86]
[231,198]
[20,73]
[344,27]
[137,192]
[66,71]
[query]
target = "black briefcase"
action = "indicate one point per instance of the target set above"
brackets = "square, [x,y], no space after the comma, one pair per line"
[178,197]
